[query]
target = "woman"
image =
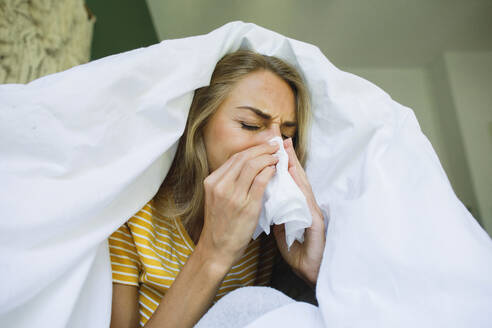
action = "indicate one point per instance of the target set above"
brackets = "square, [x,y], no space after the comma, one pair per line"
[185,249]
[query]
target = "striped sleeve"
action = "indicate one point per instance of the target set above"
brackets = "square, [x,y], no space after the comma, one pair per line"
[125,263]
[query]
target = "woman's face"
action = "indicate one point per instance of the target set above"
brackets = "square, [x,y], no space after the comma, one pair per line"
[259,107]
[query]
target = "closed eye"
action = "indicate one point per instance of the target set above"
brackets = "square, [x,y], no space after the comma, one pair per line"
[254,128]
[249,127]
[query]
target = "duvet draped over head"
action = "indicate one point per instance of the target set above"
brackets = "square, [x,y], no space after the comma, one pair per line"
[85,149]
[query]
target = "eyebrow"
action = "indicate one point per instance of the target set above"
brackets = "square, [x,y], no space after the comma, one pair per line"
[267,116]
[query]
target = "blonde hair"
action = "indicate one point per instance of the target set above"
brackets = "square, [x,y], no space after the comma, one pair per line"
[181,193]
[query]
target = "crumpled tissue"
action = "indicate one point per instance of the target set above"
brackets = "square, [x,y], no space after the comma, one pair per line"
[284,202]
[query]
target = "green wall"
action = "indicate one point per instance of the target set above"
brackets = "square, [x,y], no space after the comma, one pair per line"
[121,25]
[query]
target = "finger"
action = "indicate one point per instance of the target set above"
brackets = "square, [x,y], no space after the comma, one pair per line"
[226,171]
[251,169]
[241,158]
[295,168]
[217,175]
[260,182]
[294,173]
[289,149]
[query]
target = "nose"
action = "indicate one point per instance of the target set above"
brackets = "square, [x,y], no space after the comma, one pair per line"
[273,131]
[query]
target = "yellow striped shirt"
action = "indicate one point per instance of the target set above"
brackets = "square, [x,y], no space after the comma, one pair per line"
[149,251]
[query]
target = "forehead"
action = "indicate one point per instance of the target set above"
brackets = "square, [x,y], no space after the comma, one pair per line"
[266,91]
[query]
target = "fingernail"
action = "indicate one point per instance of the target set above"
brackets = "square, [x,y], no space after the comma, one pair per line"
[273,143]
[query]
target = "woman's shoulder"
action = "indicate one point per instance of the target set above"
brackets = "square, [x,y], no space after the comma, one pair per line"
[151,215]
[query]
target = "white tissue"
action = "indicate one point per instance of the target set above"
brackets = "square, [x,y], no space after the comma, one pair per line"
[284,202]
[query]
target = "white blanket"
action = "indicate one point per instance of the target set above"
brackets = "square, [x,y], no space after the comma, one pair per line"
[83,150]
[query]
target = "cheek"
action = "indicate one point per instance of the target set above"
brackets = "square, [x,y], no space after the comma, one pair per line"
[224,139]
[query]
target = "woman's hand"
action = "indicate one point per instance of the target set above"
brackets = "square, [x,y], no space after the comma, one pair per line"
[305,258]
[233,200]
